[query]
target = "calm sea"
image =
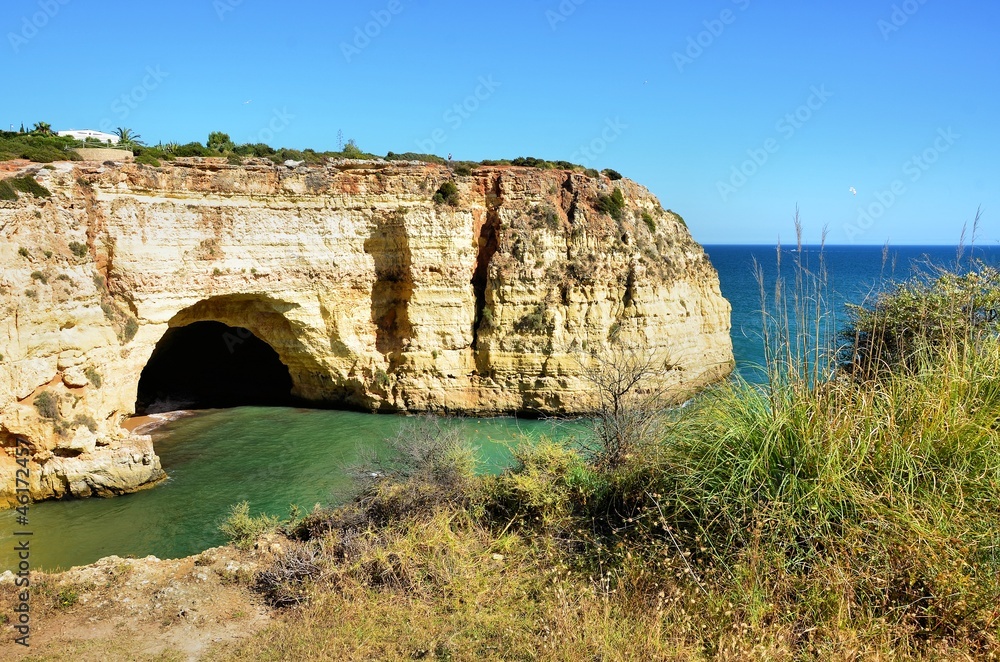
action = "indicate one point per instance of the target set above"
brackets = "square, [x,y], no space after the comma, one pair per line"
[854,274]
[278,456]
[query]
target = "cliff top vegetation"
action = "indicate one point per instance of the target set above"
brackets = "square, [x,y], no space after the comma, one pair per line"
[42,146]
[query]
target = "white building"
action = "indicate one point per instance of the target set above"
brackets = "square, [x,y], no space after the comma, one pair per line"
[83,134]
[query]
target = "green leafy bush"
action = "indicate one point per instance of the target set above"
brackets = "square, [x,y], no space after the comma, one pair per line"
[220,142]
[447,194]
[242,529]
[78,249]
[534,323]
[613,205]
[27,184]
[148,159]
[37,148]
[613,175]
[413,156]
[679,218]
[647,218]
[939,312]
[47,405]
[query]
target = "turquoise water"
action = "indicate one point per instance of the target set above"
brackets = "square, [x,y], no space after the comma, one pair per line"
[271,457]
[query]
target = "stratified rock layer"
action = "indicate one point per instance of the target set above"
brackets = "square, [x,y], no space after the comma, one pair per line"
[373,295]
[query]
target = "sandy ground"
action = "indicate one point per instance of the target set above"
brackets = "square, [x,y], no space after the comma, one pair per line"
[137,609]
[146,424]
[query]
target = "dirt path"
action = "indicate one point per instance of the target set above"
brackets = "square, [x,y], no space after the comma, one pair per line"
[136,609]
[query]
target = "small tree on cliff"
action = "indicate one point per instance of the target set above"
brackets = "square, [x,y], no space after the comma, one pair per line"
[220,142]
[128,138]
[629,398]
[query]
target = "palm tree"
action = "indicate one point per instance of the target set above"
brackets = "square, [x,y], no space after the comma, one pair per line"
[42,128]
[127,138]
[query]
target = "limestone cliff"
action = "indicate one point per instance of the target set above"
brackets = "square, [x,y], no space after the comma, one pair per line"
[372,294]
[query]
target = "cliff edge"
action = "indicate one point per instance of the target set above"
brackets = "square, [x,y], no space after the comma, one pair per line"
[368,284]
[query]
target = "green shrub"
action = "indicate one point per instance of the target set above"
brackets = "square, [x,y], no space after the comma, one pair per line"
[613,205]
[47,405]
[23,252]
[592,173]
[82,420]
[40,277]
[243,530]
[647,218]
[679,218]
[130,329]
[234,159]
[93,376]
[613,175]
[192,149]
[148,159]
[31,293]
[220,142]
[37,148]
[447,194]
[67,598]
[27,184]
[547,489]
[352,151]
[412,156]
[78,249]
[487,322]
[7,191]
[933,314]
[534,323]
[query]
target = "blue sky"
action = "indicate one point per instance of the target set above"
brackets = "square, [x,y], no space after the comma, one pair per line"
[731,111]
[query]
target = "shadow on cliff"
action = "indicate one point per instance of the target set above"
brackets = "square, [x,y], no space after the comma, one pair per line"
[389,247]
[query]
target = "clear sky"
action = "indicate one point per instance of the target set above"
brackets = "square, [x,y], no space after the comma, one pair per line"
[731,111]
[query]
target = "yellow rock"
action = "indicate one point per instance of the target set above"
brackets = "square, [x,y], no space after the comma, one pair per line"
[371,294]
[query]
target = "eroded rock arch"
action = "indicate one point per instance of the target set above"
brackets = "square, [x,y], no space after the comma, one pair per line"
[228,351]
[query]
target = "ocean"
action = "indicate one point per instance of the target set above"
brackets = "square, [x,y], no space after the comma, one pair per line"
[854,274]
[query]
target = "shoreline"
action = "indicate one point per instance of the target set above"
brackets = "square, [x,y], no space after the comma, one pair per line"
[148,423]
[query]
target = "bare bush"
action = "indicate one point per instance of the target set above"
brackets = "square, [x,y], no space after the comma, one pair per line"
[630,397]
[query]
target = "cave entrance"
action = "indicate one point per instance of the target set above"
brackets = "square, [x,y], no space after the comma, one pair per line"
[207,365]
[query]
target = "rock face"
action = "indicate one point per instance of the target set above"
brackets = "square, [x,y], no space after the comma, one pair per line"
[372,294]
